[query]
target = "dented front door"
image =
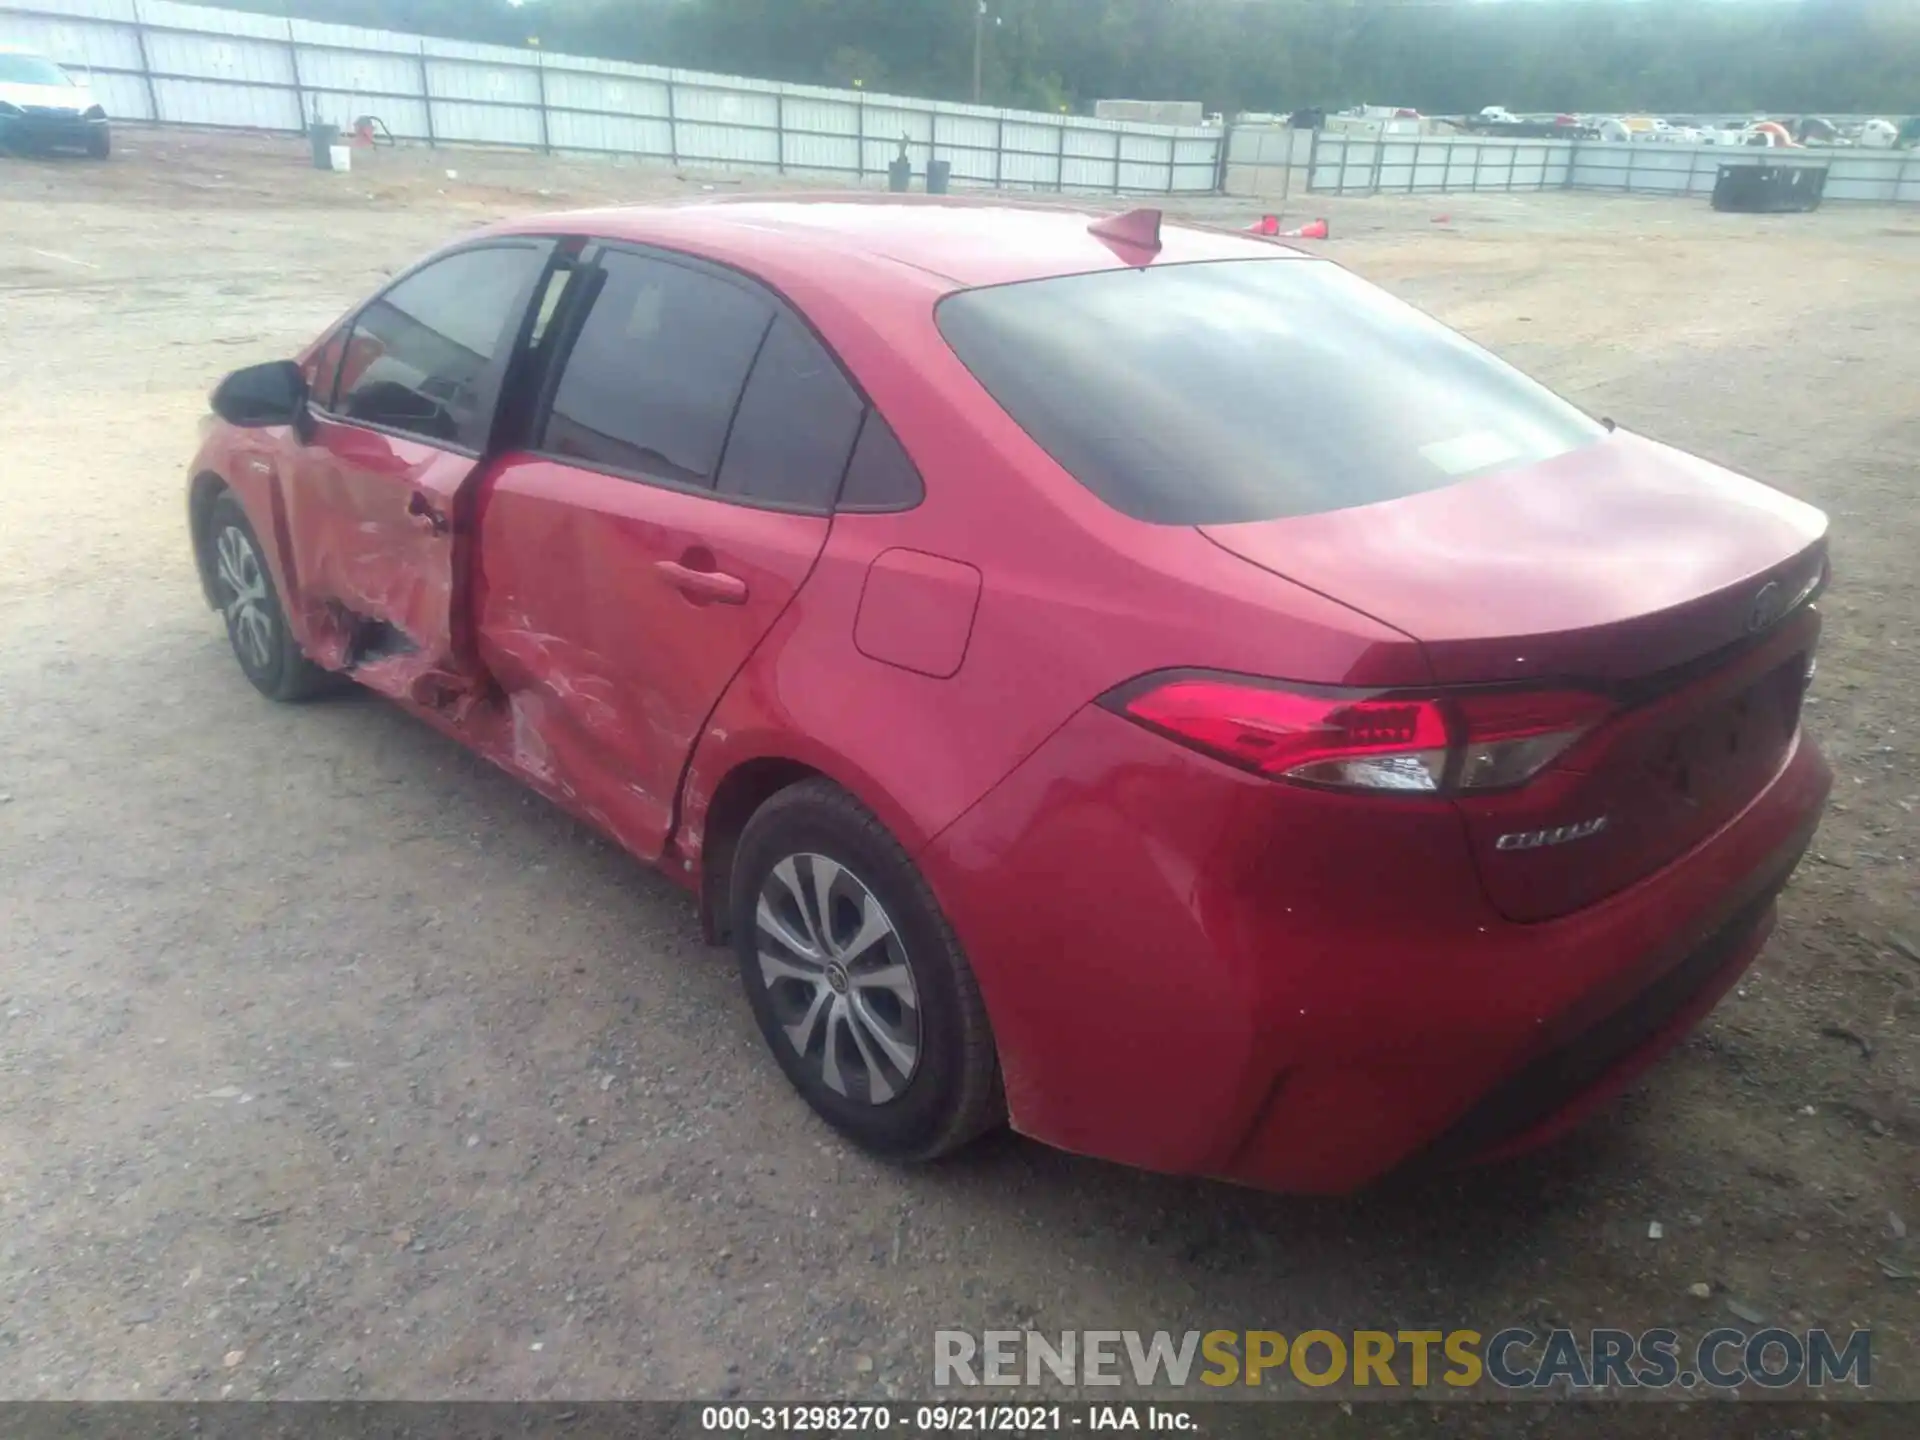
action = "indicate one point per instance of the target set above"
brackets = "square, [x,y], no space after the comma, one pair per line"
[371,517]
[378,485]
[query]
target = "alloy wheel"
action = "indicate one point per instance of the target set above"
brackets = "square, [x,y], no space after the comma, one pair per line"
[245,601]
[836,971]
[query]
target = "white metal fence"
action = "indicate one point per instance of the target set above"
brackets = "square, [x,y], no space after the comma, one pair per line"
[1267,160]
[1886,176]
[159,61]
[1345,165]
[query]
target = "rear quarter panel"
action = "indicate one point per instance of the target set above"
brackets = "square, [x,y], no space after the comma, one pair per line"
[1075,598]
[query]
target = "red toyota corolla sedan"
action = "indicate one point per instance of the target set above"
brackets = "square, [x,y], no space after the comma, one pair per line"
[1145,685]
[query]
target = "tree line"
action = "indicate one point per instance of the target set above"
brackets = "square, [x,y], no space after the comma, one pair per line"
[1439,56]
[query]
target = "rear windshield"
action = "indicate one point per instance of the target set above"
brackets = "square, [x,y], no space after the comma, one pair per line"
[1249,389]
[31,70]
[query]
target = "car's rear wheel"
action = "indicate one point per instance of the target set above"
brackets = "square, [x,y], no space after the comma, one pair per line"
[257,628]
[858,982]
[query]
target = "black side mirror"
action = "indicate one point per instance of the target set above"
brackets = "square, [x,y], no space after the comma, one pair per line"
[262,395]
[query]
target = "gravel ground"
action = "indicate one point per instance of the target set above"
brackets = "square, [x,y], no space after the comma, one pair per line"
[333,1064]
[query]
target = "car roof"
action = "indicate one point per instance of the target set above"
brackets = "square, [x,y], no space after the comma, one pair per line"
[949,243]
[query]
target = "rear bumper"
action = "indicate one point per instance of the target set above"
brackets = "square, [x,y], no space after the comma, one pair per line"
[1549,1095]
[1191,969]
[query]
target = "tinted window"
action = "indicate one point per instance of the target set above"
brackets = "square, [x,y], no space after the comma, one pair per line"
[545,334]
[421,354]
[323,369]
[1249,390]
[796,424]
[549,303]
[880,477]
[654,377]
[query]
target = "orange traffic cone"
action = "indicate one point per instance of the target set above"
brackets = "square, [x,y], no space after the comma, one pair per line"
[1270,225]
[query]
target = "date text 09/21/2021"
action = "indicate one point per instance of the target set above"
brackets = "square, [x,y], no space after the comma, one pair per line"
[943,1419]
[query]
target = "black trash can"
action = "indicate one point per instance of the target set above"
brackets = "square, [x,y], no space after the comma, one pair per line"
[939,172]
[1769,189]
[323,138]
[900,175]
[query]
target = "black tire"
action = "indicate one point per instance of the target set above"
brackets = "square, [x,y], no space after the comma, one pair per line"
[262,641]
[951,1093]
[100,144]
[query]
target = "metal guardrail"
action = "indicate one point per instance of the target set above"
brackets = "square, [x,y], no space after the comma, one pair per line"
[1412,165]
[1422,165]
[250,71]
[1268,159]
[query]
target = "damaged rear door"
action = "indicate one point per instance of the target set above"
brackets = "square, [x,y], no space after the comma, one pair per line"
[675,490]
[377,493]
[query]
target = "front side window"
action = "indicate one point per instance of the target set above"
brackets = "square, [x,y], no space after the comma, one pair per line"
[323,366]
[421,357]
[656,373]
[549,303]
[1243,390]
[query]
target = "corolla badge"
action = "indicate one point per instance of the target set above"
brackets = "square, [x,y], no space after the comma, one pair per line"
[1559,835]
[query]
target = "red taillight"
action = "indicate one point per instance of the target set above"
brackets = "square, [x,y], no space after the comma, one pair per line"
[1292,735]
[1467,740]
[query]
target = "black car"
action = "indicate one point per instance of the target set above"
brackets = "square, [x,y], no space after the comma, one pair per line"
[42,107]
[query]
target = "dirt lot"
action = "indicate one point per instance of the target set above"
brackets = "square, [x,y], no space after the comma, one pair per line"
[334,1065]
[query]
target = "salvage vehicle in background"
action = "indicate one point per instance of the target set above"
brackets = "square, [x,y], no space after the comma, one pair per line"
[42,107]
[1140,682]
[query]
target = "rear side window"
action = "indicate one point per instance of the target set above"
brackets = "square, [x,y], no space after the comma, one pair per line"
[1249,390]
[652,381]
[880,475]
[796,425]
[421,356]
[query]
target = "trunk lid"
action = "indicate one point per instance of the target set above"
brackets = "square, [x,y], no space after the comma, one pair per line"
[1674,585]
[1613,561]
